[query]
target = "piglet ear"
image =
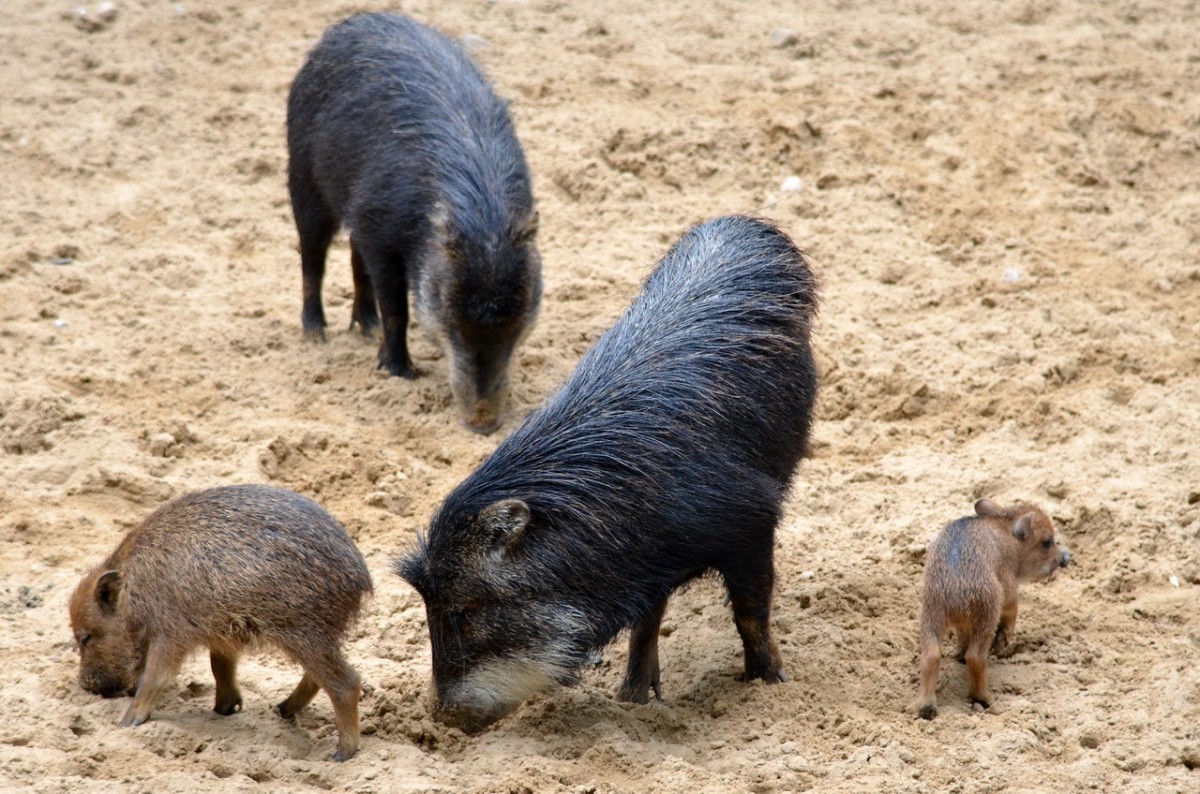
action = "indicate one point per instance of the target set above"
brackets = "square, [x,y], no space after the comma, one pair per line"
[108,587]
[986,507]
[505,522]
[1021,528]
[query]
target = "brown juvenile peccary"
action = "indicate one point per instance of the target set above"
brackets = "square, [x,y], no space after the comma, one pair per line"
[972,570]
[225,568]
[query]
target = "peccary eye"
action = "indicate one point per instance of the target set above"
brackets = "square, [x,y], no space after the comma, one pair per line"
[84,640]
[1047,543]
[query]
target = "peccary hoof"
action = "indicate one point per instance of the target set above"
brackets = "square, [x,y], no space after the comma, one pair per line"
[343,755]
[131,720]
[368,323]
[400,370]
[638,692]
[768,676]
[228,706]
[928,712]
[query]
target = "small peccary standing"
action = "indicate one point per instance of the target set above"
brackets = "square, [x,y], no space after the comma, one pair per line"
[224,569]
[972,571]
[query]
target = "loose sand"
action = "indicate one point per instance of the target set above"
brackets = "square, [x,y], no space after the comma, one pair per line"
[1002,201]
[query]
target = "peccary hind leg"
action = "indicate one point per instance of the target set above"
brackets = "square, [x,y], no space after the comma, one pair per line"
[750,586]
[324,668]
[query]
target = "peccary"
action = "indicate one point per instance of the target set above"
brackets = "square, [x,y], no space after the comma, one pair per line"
[225,568]
[972,570]
[665,455]
[394,132]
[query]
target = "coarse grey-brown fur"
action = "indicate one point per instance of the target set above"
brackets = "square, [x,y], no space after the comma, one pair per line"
[226,568]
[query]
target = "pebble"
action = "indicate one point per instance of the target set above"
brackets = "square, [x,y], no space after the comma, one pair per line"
[1011,275]
[90,21]
[782,37]
[791,185]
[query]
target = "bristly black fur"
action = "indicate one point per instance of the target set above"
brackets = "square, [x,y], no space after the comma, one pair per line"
[666,454]
[396,134]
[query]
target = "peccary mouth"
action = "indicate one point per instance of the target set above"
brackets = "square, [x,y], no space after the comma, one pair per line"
[493,690]
[496,687]
[469,721]
[107,688]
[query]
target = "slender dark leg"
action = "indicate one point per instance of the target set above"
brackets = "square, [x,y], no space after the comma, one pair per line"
[364,312]
[391,293]
[750,586]
[224,667]
[641,673]
[316,228]
[301,696]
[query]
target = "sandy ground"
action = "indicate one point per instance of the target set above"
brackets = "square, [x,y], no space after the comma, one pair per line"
[1002,201]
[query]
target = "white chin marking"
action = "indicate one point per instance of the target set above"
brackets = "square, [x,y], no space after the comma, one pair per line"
[498,686]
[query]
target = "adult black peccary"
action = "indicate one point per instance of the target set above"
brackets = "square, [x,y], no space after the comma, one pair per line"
[665,455]
[394,132]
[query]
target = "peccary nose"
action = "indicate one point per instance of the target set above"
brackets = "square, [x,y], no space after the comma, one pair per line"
[1064,559]
[104,687]
[468,722]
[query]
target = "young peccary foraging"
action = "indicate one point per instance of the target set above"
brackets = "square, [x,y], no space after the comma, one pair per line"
[394,132]
[665,455]
[225,568]
[972,571]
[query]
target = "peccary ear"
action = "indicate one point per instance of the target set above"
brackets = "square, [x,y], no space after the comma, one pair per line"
[410,568]
[1022,527]
[528,228]
[505,522]
[986,507]
[108,586]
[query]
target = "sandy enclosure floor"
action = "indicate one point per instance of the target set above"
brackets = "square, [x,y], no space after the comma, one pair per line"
[1002,201]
